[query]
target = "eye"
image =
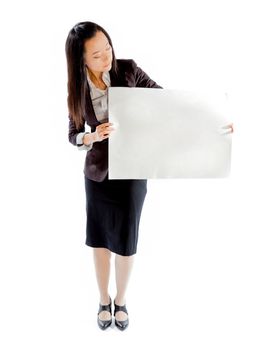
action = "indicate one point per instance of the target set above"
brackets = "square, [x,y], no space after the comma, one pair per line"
[109,47]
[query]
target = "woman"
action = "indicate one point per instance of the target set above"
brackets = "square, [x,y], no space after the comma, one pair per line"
[113,207]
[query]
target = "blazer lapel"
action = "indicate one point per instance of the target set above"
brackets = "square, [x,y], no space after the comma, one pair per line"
[90,113]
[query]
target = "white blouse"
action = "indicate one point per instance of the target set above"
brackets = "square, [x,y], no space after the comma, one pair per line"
[100,104]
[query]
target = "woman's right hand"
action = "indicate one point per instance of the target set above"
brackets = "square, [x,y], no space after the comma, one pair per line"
[102,132]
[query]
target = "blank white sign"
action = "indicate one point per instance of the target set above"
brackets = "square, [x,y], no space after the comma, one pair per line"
[166,133]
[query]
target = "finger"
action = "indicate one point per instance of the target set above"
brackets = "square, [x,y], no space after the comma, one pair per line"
[227,126]
[107,127]
[225,131]
[107,124]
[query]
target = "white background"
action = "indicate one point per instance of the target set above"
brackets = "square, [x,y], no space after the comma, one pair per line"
[199,279]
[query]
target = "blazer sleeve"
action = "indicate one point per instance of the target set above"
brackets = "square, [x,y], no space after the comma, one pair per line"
[75,136]
[142,79]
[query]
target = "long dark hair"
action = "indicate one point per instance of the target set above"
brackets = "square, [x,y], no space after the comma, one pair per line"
[77,73]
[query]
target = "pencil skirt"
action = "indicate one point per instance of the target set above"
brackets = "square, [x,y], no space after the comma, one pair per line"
[113,212]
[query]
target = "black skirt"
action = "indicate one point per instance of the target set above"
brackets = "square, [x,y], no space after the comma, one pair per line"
[113,209]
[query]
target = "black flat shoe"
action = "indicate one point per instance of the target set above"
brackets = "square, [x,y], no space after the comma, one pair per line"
[122,325]
[104,324]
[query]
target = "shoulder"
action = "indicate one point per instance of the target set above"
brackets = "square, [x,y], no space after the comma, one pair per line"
[126,65]
[133,75]
[126,69]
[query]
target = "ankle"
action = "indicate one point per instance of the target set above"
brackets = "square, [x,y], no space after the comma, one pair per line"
[119,301]
[104,299]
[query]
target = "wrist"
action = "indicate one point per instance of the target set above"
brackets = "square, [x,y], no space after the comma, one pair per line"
[93,137]
[87,139]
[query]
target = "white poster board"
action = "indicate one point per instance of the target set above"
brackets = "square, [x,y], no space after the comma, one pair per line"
[166,133]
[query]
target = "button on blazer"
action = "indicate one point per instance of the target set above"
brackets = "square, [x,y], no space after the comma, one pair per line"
[96,160]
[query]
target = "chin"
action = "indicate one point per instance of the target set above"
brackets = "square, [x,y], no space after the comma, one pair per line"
[108,67]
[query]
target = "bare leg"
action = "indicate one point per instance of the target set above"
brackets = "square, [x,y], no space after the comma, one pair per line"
[123,268]
[102,269]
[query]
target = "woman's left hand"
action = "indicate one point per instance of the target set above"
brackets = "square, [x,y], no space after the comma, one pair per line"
[230,127]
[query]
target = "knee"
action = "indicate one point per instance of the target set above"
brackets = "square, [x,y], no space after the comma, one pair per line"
[102,252]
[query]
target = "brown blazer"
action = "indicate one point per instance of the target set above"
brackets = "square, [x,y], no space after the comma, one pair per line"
[96,161]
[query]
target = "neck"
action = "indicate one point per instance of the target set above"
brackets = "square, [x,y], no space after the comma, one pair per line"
[95,76]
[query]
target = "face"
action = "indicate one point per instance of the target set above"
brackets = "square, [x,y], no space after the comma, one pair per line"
[98,53]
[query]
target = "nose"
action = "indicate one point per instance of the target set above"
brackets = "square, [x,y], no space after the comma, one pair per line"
[106,60]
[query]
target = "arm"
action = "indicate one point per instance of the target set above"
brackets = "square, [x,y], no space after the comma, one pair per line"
[76,136]
[80,142]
